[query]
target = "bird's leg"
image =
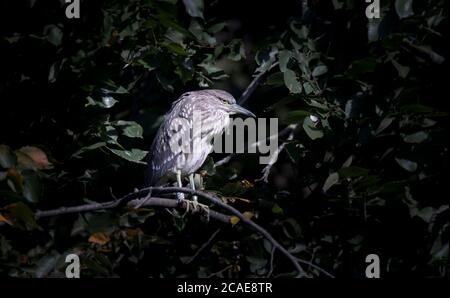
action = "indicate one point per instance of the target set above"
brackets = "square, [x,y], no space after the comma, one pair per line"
[191,181]
[195,202]
[180,195]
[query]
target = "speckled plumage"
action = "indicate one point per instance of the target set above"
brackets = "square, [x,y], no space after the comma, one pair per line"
[214,108]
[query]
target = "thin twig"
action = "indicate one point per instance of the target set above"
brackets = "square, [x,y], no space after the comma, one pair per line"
[272,253]
[274,157]
[208,242]
[221,271]
[316,267]
[254,84]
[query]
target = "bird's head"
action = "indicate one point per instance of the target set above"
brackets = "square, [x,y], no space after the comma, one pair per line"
[223,100]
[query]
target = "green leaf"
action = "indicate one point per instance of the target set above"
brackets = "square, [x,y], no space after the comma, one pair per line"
[7,157]
[353,171]
[32,187]
[22,215]
[362,66]
[311,130]
[53,34]
[332,179]
[384,124]
[106,102]
[416,138]
[132,129]
[404,8]
[46,264]
[406,164]
[403,71]
[275,79]
[296,116]
[308,88]
[165,83]
[291,81]
[416,108]
[133,155]
[319,70]
[87,148]
[291,228]
[276,209]
[284,57]
[194,7]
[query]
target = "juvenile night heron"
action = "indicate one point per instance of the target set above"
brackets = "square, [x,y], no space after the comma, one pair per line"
[199,115]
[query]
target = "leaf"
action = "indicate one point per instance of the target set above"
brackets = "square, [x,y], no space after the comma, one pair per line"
[308,88]
[384,124]
[132,129]
[284,57]
[291,81]
[194,7]
[234,220]
[38,157]
[53,34]
[106,102]
[404,8]
[7,157]
[91,147]
[416,108]
[248,214]
[402,70]
[348,162]
[32,186]
[296,116]
[332,179]
[416,138]
[275,79]
[46,264]
[133,155]
[165,83]
[311,130]
[22,215]
[351,172]
[291,228]
[362,66]
[99,238]
[277,209]
[4,219]
[406,164]
[319,70]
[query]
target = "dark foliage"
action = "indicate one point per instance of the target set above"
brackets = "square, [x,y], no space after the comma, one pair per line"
[365,172]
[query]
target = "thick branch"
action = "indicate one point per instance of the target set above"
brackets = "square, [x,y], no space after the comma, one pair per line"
[153,202]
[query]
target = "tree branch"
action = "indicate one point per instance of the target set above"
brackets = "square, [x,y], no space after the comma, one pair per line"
[128,199]
[152,202]
[254,84]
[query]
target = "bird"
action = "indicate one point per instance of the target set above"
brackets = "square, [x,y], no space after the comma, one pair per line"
[211,108]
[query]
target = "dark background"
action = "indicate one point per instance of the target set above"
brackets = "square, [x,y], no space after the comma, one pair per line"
[383,128]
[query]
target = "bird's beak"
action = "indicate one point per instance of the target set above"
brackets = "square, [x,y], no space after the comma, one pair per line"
[237,109]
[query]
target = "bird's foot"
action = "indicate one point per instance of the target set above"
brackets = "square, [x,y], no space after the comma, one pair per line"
[180,196]
[200,208]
